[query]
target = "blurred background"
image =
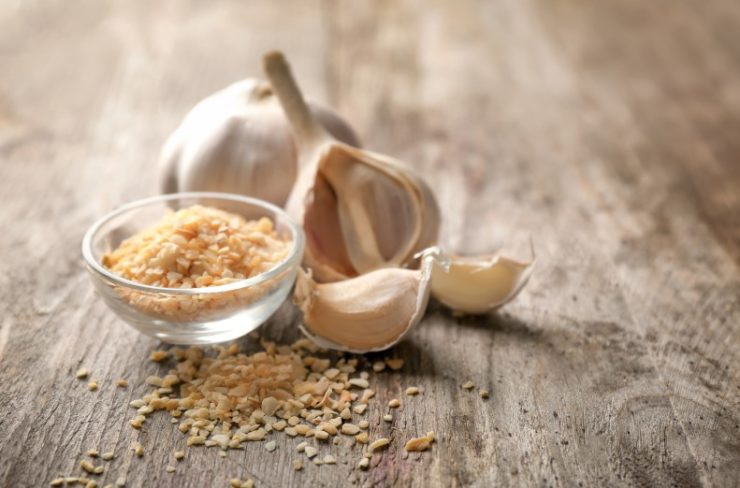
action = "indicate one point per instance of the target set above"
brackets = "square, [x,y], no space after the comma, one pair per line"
[515,101]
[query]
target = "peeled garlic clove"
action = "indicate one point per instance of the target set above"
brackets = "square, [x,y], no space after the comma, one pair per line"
[371,312]
[361,211]
[478,285]
[239,141]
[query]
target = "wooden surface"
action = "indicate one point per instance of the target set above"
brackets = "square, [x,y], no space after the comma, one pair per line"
[608,130]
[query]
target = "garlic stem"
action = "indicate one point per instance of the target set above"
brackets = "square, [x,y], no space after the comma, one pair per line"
[307,130]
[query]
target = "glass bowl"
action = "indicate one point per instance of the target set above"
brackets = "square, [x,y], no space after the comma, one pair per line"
[196,315]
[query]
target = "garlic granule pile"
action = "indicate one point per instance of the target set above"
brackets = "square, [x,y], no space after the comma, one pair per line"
[197,247]
[234,398]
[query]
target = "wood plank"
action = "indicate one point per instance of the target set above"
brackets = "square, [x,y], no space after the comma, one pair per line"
[606,130]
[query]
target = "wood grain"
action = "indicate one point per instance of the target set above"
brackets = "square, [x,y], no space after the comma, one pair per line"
[605,130]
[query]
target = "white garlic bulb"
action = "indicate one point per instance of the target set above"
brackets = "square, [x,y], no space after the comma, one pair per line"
[371,312]
[238,140]
[361,211]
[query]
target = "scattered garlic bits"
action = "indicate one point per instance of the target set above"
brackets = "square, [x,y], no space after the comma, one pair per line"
[137,448]
[420,443]
[197,247]
[90,468]
[378,444]
[395,364]
[158,356]
[237,483]
[234,398]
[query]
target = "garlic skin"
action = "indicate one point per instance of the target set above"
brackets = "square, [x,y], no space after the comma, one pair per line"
[371,312]
[361,211]
[238,140]
[477,285]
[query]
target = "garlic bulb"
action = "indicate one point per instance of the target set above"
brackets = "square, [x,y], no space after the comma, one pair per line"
[239,141]
[371,312]
[360,210]
[478,285]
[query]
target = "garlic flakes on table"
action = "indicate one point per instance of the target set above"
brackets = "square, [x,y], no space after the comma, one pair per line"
[478,285]
[371,312]
[361,211]
[238,140]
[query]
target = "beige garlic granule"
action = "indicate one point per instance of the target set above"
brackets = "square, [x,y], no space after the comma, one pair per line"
[158,356]
[420,443]
[137,448]
[395,364]
[378,444]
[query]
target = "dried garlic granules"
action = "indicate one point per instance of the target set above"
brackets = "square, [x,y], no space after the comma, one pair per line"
[234,398]
[196,247]
[420,443]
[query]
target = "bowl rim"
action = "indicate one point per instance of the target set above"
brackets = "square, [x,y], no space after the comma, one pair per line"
[293,259]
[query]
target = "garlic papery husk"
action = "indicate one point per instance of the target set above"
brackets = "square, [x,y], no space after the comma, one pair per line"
[238,140]
[371,312]
[477,285]
[361,211]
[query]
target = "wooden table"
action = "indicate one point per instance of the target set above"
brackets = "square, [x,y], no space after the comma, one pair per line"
[609,131]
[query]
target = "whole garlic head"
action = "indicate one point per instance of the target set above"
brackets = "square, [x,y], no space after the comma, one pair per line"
[238,140]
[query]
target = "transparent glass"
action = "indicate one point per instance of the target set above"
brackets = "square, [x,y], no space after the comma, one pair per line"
[197,315]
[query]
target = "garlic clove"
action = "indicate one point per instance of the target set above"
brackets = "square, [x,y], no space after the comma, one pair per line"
[477,285]
[361,211]
[238,140]
[386,215]
[371,312]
